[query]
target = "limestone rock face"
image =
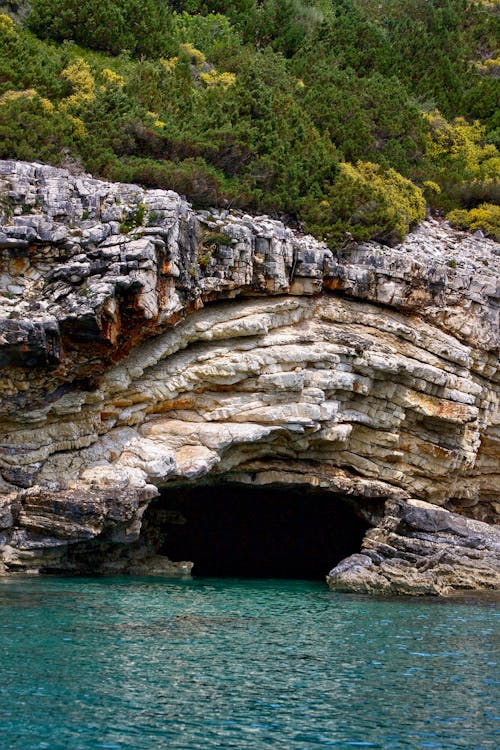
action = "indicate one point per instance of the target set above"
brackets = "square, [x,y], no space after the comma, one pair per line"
[420,549]
[142,343]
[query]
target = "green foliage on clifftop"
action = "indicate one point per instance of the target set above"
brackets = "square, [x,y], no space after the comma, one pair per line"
[369,202]
[338,114]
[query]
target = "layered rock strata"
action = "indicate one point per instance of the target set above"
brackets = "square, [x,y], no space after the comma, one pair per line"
[142,343]
[418,548]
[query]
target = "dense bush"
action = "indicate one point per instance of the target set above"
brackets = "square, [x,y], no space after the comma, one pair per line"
[460,160]
[338,115]
[47,132]
[366,202]
[282,25]
[204,185]
[485,218]
[142,27]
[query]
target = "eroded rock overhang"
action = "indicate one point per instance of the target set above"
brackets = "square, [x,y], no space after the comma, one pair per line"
[143,344]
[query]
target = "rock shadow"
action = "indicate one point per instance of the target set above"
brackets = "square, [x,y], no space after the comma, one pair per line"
[235,530]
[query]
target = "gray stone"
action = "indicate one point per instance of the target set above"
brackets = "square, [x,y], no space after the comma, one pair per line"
[372,374]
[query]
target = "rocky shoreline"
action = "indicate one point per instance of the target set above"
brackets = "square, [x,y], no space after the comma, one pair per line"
[143,343]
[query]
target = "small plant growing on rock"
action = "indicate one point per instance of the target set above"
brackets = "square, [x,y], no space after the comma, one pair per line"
[153,218]
[133,220]
[210,244]
[205,259]
[214,240]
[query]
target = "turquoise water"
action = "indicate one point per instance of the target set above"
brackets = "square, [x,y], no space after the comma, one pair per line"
[133,664]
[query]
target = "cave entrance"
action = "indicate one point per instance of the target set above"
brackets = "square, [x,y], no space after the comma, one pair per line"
[237,530]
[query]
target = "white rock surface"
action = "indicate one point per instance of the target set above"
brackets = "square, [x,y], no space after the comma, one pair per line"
[125,367]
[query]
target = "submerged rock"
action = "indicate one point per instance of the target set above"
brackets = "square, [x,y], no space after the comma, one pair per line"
[142,343]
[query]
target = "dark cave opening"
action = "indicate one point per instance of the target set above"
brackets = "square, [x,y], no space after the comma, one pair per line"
[236,530]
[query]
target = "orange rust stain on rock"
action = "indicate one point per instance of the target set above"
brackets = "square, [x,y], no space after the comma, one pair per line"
[164,288]
[448,410]
[17,266]
[179,403]
[166,266]
[111,329]
[333,283]
[392,458]
[435,451]
[441,409]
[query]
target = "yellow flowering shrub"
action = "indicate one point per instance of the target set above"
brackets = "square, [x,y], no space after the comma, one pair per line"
[169,64]
[431,188]
[458,140]
[366,202]
[79,76]
[157,123]
[195,56]
[11,96]
[460,160]
[214,78]
[79,129]
[7,25]
[485,217]
[111,79]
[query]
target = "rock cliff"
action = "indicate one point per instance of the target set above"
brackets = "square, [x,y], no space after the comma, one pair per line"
[144,344]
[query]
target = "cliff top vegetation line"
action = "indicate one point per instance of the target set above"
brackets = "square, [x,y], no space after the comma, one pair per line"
[345,116]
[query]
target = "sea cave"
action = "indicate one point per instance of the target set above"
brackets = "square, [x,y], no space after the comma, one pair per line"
[237,530]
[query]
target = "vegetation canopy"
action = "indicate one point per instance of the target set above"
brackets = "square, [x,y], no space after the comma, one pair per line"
[347,117]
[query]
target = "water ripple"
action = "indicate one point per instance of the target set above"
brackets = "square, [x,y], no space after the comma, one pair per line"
[142,664]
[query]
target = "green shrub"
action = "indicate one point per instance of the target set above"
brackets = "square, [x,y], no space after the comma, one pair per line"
[195,179]
[485,217]
[31,128]
[142,27]
[366,202]
[212,33]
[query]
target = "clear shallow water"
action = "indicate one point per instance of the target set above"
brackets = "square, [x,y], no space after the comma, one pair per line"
[145,664]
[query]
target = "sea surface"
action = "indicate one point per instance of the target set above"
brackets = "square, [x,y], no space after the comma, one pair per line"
[151,664]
